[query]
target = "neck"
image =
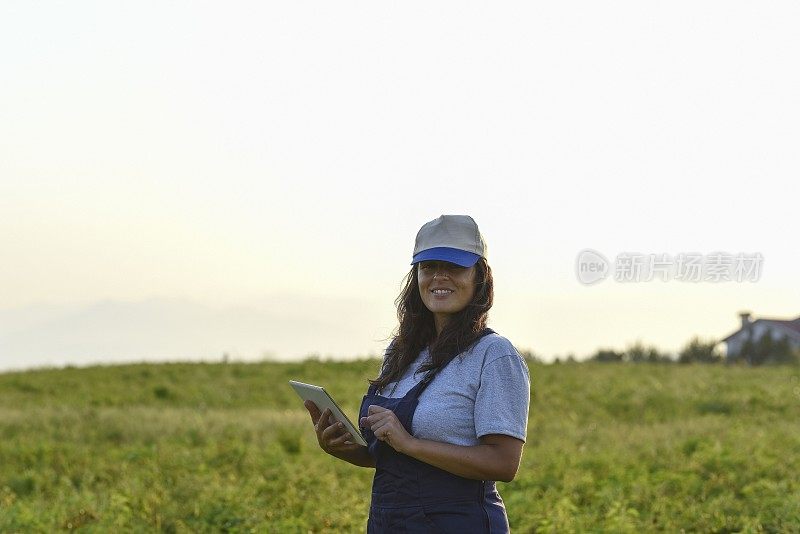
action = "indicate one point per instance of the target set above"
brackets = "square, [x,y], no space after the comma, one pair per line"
[439,320]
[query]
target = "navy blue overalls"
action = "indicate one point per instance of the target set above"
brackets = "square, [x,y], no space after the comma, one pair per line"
[411,496]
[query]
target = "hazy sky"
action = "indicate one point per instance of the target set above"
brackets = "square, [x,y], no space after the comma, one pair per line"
[233,154]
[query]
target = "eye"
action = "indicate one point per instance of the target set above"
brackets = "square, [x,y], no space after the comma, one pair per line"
[453,268]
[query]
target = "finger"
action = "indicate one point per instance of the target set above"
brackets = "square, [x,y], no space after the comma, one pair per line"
[379,413]
[385,425]
[332,431]
[380,417]
[341,440]
[374,408]
[324,420]
[313,410]
[379,428]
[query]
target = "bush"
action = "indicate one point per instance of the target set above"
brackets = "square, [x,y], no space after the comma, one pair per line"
[781,351]
[699,351]
[769,350]
[606,355]
[638,353]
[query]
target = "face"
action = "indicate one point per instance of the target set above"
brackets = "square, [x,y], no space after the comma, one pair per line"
[445,288]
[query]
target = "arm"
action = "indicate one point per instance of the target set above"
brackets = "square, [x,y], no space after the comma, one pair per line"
[359,457]
[496,458]
[501,409]
[334,440]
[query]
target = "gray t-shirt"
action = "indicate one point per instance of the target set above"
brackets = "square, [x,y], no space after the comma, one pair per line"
[483,390]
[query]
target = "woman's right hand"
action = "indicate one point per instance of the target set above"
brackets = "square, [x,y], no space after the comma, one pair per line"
[332,436]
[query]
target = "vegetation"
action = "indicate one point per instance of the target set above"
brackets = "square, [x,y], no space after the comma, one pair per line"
[766,351]
[699,351]
[229,448]
[635,353]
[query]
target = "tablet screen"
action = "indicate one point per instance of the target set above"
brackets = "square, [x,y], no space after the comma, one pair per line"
[322,399]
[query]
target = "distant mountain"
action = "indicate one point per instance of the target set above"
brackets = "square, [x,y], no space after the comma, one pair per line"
[281,327]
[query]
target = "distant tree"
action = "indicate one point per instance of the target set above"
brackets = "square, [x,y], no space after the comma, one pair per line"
[763,349]
[781,352]
[768,350]
[606,355]
[638,353]
[747,352]
[699,351]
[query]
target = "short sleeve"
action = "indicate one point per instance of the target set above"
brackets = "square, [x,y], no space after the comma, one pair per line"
[503,398]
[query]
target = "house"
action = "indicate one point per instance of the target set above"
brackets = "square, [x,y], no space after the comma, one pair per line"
[754,330]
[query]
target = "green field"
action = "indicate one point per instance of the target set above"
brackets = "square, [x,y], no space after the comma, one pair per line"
[229,448]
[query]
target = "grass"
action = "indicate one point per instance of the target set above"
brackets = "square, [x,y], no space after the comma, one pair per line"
[229,448]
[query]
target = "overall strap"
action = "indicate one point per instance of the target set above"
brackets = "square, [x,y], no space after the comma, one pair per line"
[417,390]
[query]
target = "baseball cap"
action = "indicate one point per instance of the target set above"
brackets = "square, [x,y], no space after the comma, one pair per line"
[452,238]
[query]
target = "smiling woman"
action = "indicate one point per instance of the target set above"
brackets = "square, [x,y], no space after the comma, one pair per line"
[448,294]
[439,441]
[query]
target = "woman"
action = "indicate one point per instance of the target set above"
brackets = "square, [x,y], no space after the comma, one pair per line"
[452,413]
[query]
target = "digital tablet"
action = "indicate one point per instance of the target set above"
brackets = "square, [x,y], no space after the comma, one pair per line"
[320,397]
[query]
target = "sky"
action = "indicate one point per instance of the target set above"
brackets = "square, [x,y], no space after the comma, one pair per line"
[180,180]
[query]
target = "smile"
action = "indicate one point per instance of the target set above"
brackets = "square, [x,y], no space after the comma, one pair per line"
[441,291]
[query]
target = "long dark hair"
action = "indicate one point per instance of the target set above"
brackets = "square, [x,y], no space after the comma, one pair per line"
[417,328]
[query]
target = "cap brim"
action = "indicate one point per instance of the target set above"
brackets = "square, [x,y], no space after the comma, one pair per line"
[452,255]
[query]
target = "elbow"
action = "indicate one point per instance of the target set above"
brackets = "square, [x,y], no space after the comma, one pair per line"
[507,475]
[505,455]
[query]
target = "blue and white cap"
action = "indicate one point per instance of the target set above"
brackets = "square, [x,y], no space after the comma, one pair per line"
[452,238]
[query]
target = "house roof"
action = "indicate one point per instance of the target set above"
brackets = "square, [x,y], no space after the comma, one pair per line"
[792,325]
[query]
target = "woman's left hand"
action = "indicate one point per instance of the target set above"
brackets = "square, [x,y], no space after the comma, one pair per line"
[387,428]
